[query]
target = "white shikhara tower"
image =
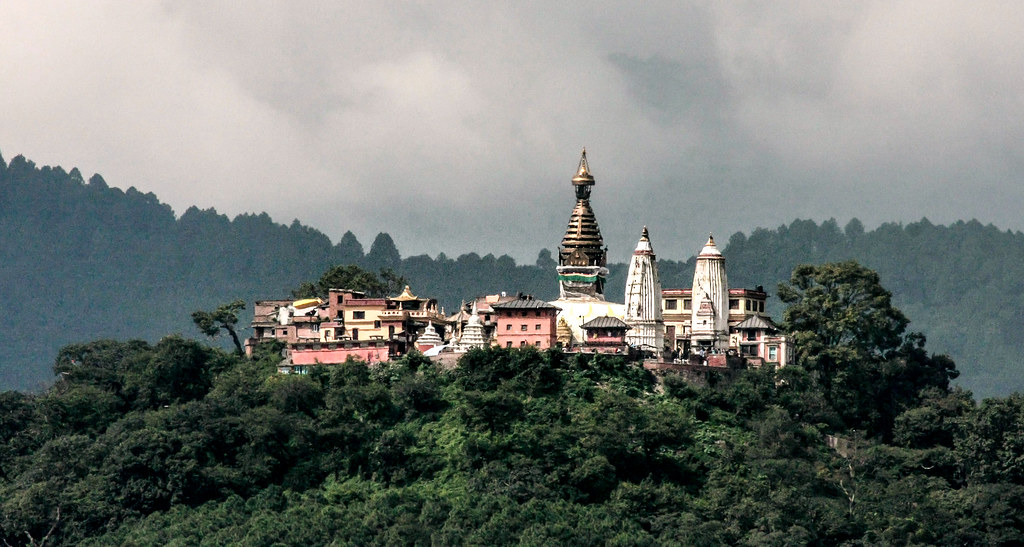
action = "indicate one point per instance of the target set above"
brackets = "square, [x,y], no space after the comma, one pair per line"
[709,316]
[643,299]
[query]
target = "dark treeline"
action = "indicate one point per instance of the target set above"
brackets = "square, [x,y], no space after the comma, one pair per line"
[82,260]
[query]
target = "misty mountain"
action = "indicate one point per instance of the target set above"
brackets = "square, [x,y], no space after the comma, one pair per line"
[82,261]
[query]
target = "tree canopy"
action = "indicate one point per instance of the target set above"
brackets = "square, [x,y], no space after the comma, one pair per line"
[350,276]
[225,317]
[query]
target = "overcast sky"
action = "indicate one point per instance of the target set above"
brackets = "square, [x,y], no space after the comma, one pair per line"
[457,127]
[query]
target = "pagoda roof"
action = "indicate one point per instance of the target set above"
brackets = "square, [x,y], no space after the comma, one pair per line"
[406,296]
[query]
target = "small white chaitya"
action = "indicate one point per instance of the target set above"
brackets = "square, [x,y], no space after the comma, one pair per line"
[473,333]
[643,299]
[429,337]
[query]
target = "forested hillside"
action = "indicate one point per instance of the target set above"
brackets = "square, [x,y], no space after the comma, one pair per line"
[82,260]
[179,443]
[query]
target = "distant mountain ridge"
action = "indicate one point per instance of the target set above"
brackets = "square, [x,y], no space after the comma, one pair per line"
[83,261]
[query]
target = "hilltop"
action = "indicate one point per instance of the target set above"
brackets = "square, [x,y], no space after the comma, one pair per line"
[84,260]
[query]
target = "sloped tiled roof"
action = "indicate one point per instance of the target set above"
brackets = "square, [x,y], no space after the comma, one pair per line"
[605,323]
[756,322]
[527,303]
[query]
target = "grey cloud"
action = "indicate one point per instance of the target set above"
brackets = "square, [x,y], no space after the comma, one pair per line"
[456,127]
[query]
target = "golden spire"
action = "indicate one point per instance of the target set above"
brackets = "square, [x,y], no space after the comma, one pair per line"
[583,175]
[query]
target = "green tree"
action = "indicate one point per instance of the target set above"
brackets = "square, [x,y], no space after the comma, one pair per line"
[352,277]
[852,340]
[838,313]
[224,318]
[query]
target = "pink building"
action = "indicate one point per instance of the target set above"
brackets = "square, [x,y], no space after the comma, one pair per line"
[605,335]
[525,321]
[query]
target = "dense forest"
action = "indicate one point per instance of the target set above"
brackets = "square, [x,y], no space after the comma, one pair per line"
[864,443]
[83,261]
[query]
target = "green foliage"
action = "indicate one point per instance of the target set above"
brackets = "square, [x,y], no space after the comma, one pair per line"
[852,340]
[223,318]
[176,443]
[352,277]
[125,266]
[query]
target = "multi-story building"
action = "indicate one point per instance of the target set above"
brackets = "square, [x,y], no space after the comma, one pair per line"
[348,324]
[526,321]
[709,322]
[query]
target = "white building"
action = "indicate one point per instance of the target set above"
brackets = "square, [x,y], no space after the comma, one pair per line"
[709,314]
[643,299]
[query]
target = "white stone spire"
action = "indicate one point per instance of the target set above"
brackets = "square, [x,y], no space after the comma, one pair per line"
[643,299]
[709,318]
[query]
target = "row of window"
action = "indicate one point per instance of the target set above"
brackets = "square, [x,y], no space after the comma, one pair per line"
[752,305]
[522,344]
[522,327]
[734,304]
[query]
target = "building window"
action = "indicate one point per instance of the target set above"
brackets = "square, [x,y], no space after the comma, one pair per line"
[508,344]
[522,327]
[773,353]
[734,304]
[316,327]
[686,303]
[376,324]
[522,344]
[536,327]
[355,334]
[508,326]
[537,343]
[751,334]
[671,304]
[359,315]
[760,306]
[749,350]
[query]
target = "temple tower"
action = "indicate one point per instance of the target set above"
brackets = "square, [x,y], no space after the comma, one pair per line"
[582,256]
[643,299]
[709,316]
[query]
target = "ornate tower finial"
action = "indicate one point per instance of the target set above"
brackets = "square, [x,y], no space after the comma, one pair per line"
[583,179]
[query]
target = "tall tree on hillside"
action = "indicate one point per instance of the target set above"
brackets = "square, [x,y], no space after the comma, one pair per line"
[840,312]
[352,277]
[852,339]
[223,318]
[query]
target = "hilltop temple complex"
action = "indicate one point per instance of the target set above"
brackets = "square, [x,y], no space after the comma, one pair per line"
[708,324]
